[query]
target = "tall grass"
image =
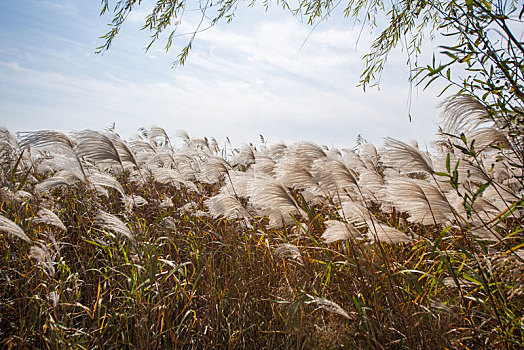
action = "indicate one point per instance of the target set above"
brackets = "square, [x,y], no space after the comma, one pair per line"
[108,243]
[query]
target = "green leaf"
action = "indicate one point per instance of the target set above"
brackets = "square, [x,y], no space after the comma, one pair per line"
[441,174]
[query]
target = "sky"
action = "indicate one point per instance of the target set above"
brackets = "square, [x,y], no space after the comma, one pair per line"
[266,72]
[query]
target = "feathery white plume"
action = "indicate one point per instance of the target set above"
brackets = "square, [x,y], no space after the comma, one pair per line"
[62,178]
[227,206]
[155,132]
[237,182]
[356,214]
[334,177]
[371,183]
[11,228]
[288,251]
[339,231]
[351,158]
[369,155]
[96,146]
[124,153]
[384,233]
[420,199]
[308,151]
[328,305]
[487,137]
[104,179]
[273,200]
[462,113]
[41,254]
[291,173]
[264,164]
[110,222]
[246,155]
[140,146]
[46,139]
[46,216]
[213,168]
[406,158]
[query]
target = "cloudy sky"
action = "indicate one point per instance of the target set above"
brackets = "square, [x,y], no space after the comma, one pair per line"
[265,73]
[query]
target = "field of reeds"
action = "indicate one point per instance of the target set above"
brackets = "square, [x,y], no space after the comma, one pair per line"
[111,243]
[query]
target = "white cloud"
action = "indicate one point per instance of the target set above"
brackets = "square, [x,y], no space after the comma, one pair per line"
[240,80]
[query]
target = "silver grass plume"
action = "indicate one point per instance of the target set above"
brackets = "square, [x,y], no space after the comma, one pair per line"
[101,191]
[13,229]
[62,178]
[288,251]
[110,222]
[63,148]
[335,178]
[291,172]
[369,155]
[182,134]
[41,254]
[6,195]
[97,147]
[340,231]
[267,192]
[68,162]
[487,138]
[168,176]
[166,203]
[237,183]
[484,232]
[382,232]
[106,180]
[213,145]
[277,150]
[328,305]
[47,216]
[226,206]
[356,214]
[371,183]
[305,153]
[154,132]
[23,196]
[162,158]
[356,161]
[199,143]
[46,139]
[124,153]
[313,195]
[246,156]
[500,195]
[278,218]
[424,202]
[133,201]
[189,207]
[140,146]
[8,145]
[308,150]
[213,169]
[406,158]
[273,200]
[481,206]
[463,113]
[265,165]
[169,223]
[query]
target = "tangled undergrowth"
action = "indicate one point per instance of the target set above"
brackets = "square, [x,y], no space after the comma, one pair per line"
[108,243]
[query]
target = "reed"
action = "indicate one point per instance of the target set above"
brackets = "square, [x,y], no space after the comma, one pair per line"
[108,243]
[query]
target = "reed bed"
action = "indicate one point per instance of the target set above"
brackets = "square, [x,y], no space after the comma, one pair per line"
[111,243]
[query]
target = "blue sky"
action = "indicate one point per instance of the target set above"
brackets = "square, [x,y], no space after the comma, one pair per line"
[250,77]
